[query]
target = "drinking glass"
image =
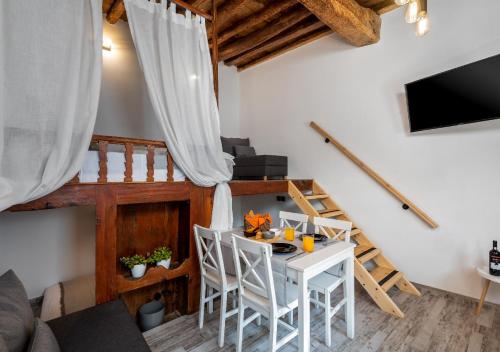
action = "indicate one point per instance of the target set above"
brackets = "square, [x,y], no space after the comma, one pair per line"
[308,243]
[289,233]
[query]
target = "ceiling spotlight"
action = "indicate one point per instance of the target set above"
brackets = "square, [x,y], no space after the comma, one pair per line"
[401,2]
[412,12]
[107,43]
[423,26]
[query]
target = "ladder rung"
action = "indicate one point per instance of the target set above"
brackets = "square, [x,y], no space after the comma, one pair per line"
[365,253]
[331,214]
[316,196]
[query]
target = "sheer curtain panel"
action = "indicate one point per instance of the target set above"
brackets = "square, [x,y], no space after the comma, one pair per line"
[175,58]
[50,77]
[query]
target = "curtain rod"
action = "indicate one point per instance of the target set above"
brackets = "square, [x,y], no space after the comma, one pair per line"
[193,9]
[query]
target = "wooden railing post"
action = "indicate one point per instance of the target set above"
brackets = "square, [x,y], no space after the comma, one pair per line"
[407,204]
[103,162]
[150,162]
[129,151]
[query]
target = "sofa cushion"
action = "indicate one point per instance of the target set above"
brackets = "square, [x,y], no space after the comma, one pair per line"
[261,160]
[105,327]
[243,150]
[229,143]
[16,316]
[42,338]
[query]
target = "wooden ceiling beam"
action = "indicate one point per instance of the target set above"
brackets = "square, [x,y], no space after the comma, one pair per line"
[320,33]
[305,27]
[255,20]
[115,12]
[260,36]
[358,25]
[225,12]
[106,6]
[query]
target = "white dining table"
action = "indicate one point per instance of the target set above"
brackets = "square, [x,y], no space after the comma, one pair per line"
[301,267]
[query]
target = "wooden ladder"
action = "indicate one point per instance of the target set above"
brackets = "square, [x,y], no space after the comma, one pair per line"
[377,281]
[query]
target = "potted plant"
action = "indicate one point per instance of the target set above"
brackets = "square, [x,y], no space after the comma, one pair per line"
[161,256]
[136,264]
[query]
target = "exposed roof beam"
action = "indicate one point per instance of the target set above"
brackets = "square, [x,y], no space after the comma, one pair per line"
[384,6]
[116,11]
[106,5]
[295,32]
[260,36]
[356,24]
[293,45]
[255,20]
[224,14]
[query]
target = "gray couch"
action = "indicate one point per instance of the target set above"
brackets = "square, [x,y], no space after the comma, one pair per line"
[105,327]
[249,166]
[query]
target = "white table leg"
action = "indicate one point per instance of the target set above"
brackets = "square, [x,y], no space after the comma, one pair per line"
[349,268]
[304,321]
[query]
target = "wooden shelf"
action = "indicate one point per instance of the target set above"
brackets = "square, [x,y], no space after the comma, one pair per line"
[154,275]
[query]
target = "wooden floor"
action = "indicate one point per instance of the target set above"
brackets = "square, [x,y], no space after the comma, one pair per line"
[438,321]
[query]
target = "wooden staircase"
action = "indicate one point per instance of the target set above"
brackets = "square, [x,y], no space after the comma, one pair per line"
[377,281]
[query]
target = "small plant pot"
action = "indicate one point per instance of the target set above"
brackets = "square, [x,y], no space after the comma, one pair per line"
[138,271]
[151,315]
[164,263]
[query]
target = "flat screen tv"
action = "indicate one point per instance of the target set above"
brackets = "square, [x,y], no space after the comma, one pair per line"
[466,94]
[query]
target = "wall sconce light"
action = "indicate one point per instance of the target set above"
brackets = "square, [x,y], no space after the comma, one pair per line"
[107,43]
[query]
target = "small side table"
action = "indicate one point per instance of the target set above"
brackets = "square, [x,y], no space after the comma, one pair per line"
[485,273]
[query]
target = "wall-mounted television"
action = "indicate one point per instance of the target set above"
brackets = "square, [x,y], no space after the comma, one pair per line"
[466,94]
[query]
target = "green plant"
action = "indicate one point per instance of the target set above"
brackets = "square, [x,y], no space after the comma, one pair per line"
[159,254]
[136,259]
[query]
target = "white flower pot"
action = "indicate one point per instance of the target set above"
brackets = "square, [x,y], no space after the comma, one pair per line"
[164,263]
[138,271]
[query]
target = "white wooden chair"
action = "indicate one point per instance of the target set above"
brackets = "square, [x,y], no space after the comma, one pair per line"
[300,221]
[256,291]
[327,282]
[213,276]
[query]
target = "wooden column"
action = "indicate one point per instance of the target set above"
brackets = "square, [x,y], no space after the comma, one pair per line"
[215,50]
[105,265]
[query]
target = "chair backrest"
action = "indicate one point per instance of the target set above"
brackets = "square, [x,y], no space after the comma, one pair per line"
[255,258]
[300,220]
[333,228]
[209,252]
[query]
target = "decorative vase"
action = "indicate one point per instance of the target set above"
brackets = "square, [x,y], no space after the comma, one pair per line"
[138,270]
[164,263]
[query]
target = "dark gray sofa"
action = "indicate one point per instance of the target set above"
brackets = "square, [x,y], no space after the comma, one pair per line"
[250,166]
[105,327]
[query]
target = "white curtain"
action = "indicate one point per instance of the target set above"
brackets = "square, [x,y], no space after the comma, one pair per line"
[175,58]
[50,77]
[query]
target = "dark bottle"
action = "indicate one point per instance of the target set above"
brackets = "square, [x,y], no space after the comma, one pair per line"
[495,260]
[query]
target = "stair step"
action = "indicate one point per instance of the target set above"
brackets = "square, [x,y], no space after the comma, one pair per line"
[330,213]
[365,253]
[316,196]
[355,232]
[386,277]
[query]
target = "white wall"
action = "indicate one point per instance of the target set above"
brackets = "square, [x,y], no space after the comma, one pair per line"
[45,247]
[358,95]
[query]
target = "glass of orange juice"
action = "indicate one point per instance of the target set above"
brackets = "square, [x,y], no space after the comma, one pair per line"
[289,233]
[308,243]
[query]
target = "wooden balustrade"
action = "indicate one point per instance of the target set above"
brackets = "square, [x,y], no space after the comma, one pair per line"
[129,144]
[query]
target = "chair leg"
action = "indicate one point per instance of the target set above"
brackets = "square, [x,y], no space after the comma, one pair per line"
[222,319]
[273,332]
[202,303]
[239,331]
[328,324]
[235,299]
[316,298]
[290,317]
[259,320]
[211,301]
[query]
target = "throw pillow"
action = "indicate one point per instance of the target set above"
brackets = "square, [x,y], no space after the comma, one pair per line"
[242,150]
[229,143]
[43,339]
[16,316]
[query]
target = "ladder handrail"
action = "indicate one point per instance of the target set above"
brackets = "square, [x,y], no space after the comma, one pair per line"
[407,204]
